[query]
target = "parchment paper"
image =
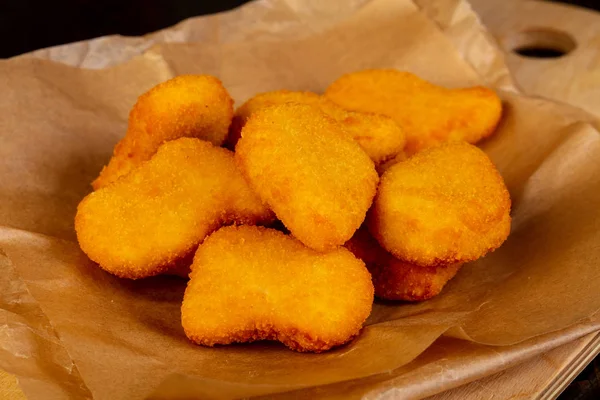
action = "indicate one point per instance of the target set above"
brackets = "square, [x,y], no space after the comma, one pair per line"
[72,331]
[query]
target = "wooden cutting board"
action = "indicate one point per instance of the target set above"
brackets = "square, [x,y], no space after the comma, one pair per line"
[543,377]
[572,78]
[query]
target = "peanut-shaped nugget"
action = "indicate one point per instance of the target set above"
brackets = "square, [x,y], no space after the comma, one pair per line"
[145,223]
[186,106]
[250,283]
[445,205]
[429,114]
[395,279]
[315,178]
[378,135]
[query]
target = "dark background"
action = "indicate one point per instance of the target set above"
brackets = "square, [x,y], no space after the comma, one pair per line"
[27,25]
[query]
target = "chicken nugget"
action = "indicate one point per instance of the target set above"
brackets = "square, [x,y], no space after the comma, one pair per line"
[316,179]
[429,114]
[379,136]
[146,222]
[250,283]
[185,106]
[381,168]
[395,279]
[445,205]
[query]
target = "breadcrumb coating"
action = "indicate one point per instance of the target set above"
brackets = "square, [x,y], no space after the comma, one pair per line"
[185,106]
[316,179]
[429,114]
[250,283]
[395,279]
[145,223]
[386,165]
[378,135]
[445,205]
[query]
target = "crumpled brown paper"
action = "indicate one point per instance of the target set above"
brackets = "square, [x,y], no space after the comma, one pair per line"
[71,330]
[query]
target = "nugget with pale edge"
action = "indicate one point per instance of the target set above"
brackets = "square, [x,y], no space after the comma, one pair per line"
[315,178]
[145,223]
[429,114]
[394,279]
[250,283]
[186,106]
[379,136]
[445,205]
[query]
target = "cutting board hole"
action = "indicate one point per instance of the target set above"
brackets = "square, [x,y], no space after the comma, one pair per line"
[542,43]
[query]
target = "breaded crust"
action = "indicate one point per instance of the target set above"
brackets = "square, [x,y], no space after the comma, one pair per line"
[251,283]
[378,135]
[429,114]
[395,279]
[185,106]
[318,181]
[146,222]
[381,168]
[445,205]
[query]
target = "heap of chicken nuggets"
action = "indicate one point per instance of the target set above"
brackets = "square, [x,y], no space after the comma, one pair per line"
[377,183]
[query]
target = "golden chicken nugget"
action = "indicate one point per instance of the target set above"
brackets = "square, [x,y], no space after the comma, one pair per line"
[250,283]
[395,279]
[146,222]
[445,205]
[429,114]
[186,106]
[379,136]
[381,168]
[316,179]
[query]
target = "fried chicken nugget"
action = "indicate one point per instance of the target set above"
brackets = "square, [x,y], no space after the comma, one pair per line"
[394,279]
[445,205]
[381,168]
[379,136]
[429,114]
[146,222]
[316,179]
[185,106]
[250,283]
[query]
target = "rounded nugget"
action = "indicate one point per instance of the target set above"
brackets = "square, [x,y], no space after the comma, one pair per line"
[145,223]
[316,179]
[395,279]
[379,136]
[429,114]
[185,106]
[444,205]
[249,283]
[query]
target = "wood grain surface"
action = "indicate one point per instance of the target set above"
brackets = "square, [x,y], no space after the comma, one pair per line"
[573,78]
[543,377]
